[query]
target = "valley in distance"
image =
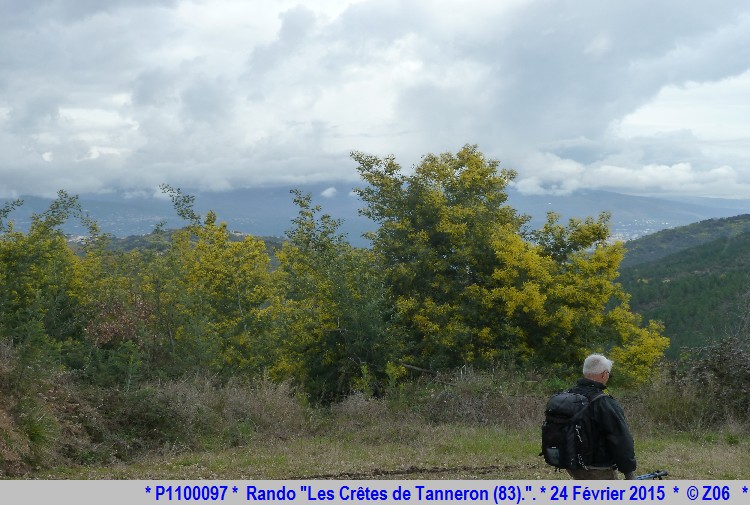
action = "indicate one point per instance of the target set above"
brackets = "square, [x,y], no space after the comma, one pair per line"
[267,212]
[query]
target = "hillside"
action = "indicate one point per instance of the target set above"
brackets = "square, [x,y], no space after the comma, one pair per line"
[698,291]
[663,243]
[160,242]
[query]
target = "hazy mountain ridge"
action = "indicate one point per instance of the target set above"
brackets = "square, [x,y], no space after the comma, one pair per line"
[269,211]
[663,243]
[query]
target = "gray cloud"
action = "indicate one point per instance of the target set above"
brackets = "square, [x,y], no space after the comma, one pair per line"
[30,14]
[154,87]
[206,100]
[34,113]
[105,95]
[296,25]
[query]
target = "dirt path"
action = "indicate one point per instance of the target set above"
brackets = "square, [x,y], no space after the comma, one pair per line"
[435,472]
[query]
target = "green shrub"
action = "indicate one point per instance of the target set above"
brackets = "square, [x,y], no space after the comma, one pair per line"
[13,447]
[720,372]
[35,422]
[708,389]
[668,404]
[270,408]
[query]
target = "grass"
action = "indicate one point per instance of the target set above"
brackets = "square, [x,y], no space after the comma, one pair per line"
[474,428]
[697,456]
[438,452]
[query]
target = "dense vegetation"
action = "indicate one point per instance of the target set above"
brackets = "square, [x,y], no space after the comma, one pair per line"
[463,425]
[699,293]
[95,343]
[660,245]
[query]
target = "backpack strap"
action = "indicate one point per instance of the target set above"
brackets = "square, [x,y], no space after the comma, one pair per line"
[593,396]
[596,395]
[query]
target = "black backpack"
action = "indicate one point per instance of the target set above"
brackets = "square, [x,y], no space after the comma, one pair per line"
[566,432]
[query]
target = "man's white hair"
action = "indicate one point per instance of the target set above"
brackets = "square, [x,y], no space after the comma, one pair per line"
[596,364]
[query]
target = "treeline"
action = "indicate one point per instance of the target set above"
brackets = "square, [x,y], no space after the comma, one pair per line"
[453,278]
[700,293]
[658,246]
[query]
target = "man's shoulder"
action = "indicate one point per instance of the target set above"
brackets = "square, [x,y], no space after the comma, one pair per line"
[583,382]
[597,395]
[589,389]
[608,405]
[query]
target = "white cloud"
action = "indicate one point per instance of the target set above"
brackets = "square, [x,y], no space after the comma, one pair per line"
[573,94]
[551,174]
[714,111]
[329,192]
[680,178]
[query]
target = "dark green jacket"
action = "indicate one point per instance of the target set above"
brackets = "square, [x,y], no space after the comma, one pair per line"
[613,443]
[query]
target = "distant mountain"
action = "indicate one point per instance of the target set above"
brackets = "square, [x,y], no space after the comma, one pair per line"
[258,211]
[161,242]
[632,216]
[269,211]
[700,292]
[666,242]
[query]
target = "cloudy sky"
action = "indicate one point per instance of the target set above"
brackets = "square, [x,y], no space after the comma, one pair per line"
[634,96]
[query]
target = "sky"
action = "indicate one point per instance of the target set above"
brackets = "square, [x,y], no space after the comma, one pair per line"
[635,96]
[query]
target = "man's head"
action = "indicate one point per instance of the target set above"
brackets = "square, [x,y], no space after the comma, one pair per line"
[597,368]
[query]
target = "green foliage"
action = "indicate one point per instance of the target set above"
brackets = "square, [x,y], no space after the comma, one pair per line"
[706,391]
[7,208]
[659,245]
[183,204]
[193,301]
[699,294]
[435,245]
[328,312]
[722,372]
[470,286]
[37,424]
[99,344]
[222,290]
[38,276]
[35,283]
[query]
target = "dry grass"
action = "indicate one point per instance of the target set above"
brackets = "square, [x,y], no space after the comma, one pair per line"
[689,456]
[472,428]
[439,452]
[366,439]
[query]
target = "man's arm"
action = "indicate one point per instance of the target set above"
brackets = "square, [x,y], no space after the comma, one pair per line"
[619,441]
